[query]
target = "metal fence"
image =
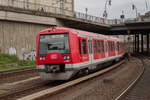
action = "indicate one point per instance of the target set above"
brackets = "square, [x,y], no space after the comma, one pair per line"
[49,9]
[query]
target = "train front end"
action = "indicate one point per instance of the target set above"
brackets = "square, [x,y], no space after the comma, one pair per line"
[54,55]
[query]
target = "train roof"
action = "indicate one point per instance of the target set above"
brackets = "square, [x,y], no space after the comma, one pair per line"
[64,29]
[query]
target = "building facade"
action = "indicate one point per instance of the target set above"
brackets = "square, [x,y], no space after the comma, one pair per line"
[146,17]
[63,4]
[34,4]
[65,7]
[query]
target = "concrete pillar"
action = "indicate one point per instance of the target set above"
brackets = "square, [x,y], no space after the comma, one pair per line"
[135,43]
[142,49]
[148,43]
[138,43]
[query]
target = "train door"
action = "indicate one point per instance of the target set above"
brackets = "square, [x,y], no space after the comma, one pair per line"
[80,50]
[99,48]
[106,48]
[109,48]
[116,48]
[113,46]
[102,49]
[121,47]
[95,49]
[90,49]
[83,49]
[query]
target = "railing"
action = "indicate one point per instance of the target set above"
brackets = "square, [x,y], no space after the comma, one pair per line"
[49,9]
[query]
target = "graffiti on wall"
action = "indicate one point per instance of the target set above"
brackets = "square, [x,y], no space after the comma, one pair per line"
[30,56]
[12,51]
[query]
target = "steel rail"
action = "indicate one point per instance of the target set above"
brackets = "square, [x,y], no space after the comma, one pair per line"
[11,73]
[12,93]
[125,90]
[16,70]
[69,84]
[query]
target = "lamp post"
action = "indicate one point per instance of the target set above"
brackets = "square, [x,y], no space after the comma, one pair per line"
[86,10]
[122,16]
[146,3]
[105,14]
[135,8]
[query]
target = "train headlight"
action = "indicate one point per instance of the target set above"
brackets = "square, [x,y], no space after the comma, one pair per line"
[42,58]
[66,57]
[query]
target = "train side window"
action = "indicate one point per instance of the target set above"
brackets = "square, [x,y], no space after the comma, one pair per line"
[113,45]
[102,46]
[90,46]
[95,46]
[99,47]
[79,45]
[84,46]
[118,46]
[109,46]
[121,47]
[106,46]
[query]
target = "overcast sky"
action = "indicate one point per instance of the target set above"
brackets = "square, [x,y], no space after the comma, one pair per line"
[96,7]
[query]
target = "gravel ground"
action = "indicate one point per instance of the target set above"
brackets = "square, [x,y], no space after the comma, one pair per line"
[141,90]
[104,87]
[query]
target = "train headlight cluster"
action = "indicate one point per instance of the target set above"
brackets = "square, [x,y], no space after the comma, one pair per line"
[66,57]
[42,58]
[53,68]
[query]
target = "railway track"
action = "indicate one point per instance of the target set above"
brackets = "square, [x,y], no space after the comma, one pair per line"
[12,95]
[44,89]
[54,89]
[17,72]
[126,90]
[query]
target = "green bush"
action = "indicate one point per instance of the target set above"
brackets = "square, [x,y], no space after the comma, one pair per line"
[11,62]
[7,59]
[27,63]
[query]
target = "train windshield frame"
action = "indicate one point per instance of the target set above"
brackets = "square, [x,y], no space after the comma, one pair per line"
[49,43]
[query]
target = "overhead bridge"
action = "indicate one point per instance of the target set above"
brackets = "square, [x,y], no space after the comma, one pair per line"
[26,22]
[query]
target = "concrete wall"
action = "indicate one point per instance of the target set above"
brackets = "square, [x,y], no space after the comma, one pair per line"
[21,17]
[21,36]
[18,32]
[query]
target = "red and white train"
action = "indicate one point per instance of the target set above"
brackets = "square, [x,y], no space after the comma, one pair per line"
[63,52]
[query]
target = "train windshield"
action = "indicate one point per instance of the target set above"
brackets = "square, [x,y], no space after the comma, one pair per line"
[54,43]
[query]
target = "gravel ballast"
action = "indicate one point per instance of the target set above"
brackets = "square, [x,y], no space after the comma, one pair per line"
[104,87]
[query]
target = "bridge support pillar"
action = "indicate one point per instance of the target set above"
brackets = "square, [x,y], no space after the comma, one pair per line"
[142,49]
[133,44]
[135,49]
[148,43]
[138,43]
